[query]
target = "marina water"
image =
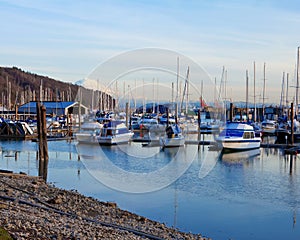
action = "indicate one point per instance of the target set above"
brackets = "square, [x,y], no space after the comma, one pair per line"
[252,195]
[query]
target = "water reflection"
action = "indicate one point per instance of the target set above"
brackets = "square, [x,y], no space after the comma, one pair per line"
[221,196]
[239,157]
[118,168]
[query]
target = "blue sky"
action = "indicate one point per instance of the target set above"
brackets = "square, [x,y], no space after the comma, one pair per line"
[66,40]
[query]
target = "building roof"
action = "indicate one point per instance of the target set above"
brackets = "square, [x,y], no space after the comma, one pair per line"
[51,107]
[49,104]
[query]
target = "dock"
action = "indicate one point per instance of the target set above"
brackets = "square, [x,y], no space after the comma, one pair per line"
[200,142]
[17,137]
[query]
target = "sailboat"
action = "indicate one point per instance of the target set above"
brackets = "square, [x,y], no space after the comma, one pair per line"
[174,136]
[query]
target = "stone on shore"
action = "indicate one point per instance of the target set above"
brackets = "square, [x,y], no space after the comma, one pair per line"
[32,209]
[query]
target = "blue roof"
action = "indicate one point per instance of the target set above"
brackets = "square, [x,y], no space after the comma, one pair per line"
[48,104]
[51,107]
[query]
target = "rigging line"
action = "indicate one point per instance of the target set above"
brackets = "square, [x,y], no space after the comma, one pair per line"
[185,85]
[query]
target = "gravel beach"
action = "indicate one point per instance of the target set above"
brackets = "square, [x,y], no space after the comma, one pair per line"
[32,209]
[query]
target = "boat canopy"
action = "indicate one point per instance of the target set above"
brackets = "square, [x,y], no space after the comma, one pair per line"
[173,129]
[235,130]
[231,133]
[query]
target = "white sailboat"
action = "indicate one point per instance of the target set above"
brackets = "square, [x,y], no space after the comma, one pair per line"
[174,137]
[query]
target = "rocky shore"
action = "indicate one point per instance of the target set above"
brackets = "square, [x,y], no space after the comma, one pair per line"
[32,209]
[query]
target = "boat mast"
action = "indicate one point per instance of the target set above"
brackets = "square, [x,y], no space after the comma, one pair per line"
[117,98]
[135,96]
[41,91]
[247,80]
[287,91]
[9,95]
[92,104]
[187,93]
[215,91]
[3,104]
[124,95]
[176,110]
[172,92]
[297,86]
[153,105]
[254,92]
[201,97]
[264,91]
[129,99]
[70,94]
[225,94]
[157,100]
[282,93]
[144,99]
[221,84]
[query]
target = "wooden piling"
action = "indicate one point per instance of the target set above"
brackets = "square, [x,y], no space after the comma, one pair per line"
[16,112]
[42,138]
[45,143]
[127,112]
[231,112]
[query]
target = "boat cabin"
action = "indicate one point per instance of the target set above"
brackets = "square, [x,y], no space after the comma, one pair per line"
[240,130]
[173,131]
[114,128]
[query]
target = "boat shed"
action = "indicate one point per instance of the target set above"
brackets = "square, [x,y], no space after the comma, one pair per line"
[53,108]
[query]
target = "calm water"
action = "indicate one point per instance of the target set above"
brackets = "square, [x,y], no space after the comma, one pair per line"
[254,195]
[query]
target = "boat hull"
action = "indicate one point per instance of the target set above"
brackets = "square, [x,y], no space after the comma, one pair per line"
[115,139]
[239,144]
[173,142]
[88,133]
[268,127]
[238,137]
[85,138]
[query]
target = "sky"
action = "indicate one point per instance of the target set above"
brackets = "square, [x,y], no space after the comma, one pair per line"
[67,40]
